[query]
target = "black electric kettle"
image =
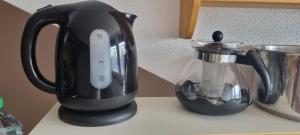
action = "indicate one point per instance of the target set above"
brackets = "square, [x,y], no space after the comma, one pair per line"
[96,64]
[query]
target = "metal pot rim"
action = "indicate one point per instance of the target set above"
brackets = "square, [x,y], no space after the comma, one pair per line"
[286,49]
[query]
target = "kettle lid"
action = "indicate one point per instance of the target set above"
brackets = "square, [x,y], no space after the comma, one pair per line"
[216,46]
[92,5]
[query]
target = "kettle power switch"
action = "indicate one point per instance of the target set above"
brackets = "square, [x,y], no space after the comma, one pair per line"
[100,62]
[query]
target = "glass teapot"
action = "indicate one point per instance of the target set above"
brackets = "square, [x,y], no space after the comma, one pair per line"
[212,83]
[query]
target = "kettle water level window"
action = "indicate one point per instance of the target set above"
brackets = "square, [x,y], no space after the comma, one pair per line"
[100,63]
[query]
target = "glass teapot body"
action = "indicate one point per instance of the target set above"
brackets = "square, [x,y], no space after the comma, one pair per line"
[212,83]
[213,88]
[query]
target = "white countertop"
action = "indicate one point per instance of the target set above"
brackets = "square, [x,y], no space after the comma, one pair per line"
[165,116]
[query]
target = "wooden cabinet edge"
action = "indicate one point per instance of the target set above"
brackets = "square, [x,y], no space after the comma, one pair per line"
[189,10]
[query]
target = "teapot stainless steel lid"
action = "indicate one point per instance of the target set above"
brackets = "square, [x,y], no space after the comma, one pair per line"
[217,51]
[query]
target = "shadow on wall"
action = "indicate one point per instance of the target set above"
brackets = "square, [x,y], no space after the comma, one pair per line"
[22,99]
[151,85]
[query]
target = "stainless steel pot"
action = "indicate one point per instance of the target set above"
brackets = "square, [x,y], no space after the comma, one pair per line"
[283,64]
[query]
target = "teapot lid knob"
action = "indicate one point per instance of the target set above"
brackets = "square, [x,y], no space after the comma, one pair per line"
[217,36]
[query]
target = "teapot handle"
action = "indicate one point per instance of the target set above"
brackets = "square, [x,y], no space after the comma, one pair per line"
[36,22]
[252,58]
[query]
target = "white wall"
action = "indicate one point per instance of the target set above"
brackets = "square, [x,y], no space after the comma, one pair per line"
[156,29]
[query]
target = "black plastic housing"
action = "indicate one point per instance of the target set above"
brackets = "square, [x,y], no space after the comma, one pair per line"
[72,84]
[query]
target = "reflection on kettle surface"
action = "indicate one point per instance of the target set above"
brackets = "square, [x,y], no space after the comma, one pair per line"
[76,81]
[118,61]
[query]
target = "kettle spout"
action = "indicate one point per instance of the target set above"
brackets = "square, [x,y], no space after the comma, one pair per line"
[130,18]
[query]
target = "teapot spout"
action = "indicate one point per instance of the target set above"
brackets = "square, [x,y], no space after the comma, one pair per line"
[130,18]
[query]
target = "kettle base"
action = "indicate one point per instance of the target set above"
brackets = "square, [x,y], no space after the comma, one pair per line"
[98,118]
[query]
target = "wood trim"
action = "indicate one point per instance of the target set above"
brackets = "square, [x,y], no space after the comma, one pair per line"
[189,10]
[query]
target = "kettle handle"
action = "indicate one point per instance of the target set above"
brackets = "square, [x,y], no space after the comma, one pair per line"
[252,58]
[35,23]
